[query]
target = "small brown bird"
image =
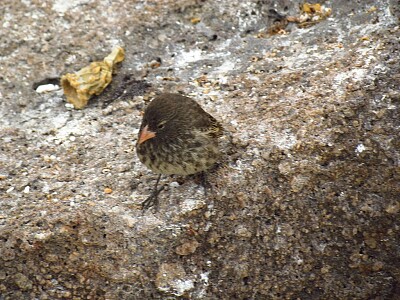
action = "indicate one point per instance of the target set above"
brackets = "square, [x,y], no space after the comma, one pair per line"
[176,137]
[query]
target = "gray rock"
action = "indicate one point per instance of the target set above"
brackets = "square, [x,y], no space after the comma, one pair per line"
[304,205]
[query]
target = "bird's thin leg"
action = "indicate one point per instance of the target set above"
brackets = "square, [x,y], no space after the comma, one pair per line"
[152,200]
[205,183]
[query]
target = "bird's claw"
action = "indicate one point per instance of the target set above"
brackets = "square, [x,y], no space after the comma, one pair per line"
[152,200]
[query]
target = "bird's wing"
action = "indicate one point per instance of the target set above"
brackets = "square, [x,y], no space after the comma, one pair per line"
[209,125]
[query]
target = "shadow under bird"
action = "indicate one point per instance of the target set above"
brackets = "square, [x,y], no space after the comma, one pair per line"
[176,137]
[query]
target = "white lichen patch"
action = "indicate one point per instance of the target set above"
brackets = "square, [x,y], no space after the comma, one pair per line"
[186,57]
[61,6]
[172,278]
[283,140]
[360,148]
[181,286]
[192,204]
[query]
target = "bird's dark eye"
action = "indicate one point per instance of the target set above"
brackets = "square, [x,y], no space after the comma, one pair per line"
[161,125]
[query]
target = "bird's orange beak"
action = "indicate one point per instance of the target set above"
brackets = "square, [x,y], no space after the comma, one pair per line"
[146,134]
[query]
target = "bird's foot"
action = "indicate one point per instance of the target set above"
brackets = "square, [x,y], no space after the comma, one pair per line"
[152,200]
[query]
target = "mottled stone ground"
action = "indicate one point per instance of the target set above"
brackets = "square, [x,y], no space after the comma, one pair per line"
[305,203]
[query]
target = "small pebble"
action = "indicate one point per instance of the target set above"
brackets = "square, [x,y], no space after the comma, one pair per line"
[108,191]
[69,106]
[174,184]
[45,88]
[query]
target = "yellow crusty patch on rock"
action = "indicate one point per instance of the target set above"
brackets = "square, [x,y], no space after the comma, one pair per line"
[91,80]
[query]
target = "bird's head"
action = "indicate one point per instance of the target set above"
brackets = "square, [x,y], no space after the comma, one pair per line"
[159,122]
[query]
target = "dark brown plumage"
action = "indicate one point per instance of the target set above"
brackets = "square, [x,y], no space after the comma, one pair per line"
[177,137]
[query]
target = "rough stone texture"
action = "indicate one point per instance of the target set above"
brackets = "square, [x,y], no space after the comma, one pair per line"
[305,204]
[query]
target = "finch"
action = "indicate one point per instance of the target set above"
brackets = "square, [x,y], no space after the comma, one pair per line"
[177,137]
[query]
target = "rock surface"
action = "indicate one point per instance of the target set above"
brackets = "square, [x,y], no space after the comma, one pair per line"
[305,204]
